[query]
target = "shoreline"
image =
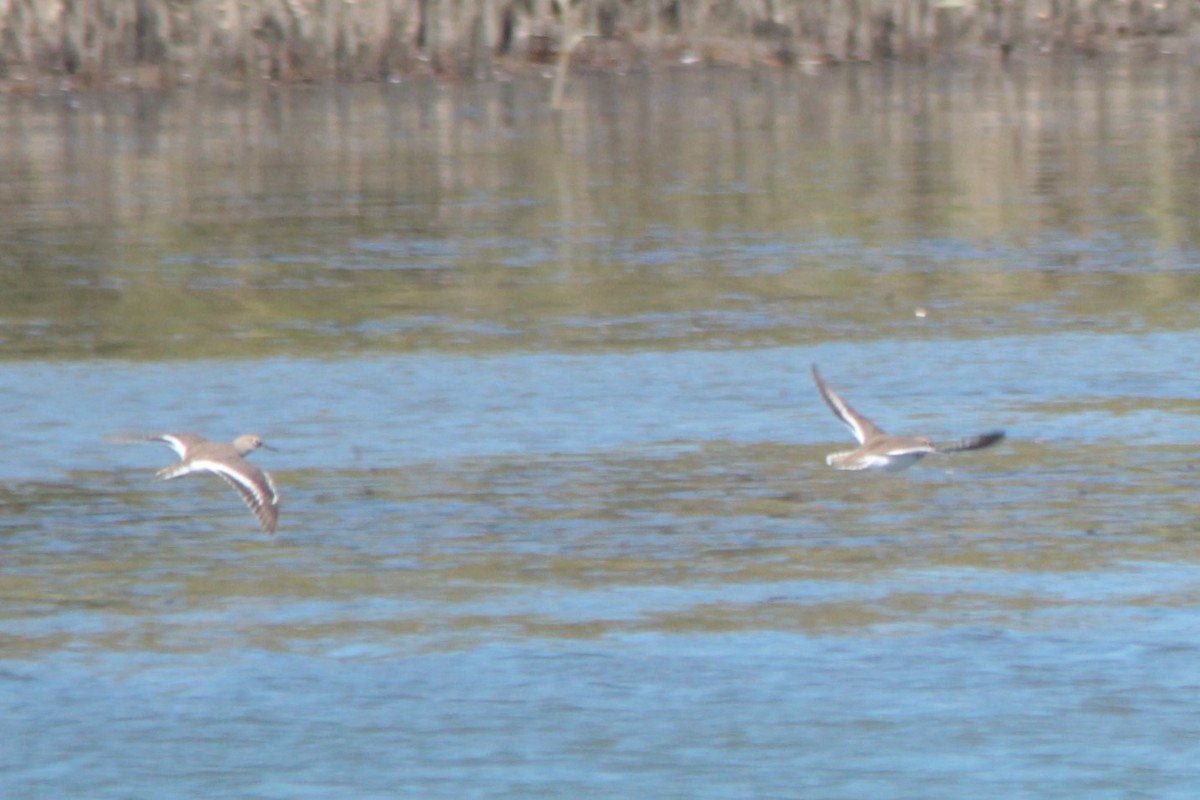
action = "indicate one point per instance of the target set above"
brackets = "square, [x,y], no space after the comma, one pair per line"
[165,43]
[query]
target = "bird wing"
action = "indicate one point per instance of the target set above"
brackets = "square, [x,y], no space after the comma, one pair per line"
[179,442]
[861,427]
[254,485]
[970,443]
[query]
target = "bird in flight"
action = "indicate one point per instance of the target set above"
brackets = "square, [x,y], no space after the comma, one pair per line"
[882,451]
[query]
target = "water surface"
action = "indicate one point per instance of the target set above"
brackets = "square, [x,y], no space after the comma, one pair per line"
[556,515]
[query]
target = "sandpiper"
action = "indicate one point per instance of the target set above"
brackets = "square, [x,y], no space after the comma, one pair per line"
[197,454]
[881,451]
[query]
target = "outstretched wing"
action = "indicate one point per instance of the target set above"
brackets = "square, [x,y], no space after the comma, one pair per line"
[179,442]
[970,443]
[254,485]
[861,427]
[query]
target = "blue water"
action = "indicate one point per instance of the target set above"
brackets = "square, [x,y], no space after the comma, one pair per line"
[525,604]
[982,712]
[388,412]
[556,518]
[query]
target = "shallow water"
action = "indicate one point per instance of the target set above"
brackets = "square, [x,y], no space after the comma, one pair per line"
[556,516]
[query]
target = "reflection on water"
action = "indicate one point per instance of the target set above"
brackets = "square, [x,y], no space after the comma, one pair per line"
[555,511]
[712,210]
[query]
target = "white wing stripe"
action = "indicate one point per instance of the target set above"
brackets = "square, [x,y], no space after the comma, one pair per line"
[848,417]
[179,447]
[239,479]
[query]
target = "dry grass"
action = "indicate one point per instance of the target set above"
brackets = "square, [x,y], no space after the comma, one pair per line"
[169,41]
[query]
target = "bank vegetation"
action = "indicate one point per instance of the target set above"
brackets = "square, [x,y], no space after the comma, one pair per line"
[94,42]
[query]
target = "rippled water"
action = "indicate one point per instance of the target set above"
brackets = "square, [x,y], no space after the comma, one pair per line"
[556,515]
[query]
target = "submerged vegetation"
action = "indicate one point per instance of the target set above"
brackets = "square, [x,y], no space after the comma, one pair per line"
[174,41]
